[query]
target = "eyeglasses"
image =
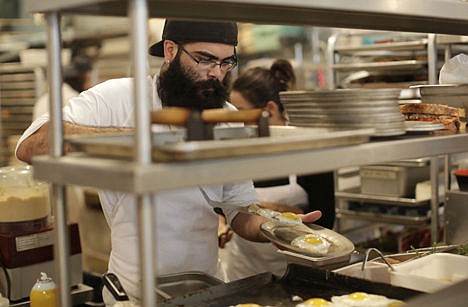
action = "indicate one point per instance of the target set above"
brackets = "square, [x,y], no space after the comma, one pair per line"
[224,65]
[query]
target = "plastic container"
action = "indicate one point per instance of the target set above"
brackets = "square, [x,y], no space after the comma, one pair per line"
[43,293]
[431,273]
[395,181]
[22,198]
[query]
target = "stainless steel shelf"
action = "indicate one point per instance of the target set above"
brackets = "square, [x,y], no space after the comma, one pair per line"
[354,195]
[396,46]
[386,218]
[126,176]
[381,66]
[441,16]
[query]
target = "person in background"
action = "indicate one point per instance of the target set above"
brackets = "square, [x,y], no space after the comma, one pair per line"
[197,57]
[259,87]
[77,77]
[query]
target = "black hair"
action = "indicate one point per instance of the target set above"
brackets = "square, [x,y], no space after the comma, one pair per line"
[74,75]
[259,85]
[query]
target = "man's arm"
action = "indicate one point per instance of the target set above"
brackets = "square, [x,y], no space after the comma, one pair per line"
[248,225]
[38,142]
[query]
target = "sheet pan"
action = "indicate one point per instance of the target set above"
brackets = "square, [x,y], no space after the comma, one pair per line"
[228,142]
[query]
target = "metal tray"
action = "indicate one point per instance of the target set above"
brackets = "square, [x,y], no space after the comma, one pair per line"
[442,89]
[178,284]
[282,235]
[228,142]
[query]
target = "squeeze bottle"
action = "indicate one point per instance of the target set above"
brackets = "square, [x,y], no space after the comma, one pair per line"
[43,292]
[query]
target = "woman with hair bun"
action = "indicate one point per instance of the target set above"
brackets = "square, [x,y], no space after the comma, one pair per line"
[259,87]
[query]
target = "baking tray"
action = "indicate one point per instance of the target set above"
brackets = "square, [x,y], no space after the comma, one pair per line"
[282,235]
[228,142]
[299,283]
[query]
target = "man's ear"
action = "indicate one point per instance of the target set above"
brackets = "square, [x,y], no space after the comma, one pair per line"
[170,50]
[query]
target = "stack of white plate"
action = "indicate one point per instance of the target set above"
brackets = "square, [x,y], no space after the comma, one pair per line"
[346,108]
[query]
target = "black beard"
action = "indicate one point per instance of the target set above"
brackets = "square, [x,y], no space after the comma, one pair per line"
[177,88]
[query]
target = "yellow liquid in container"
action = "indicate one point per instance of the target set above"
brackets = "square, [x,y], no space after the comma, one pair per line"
[44,298]
[43,293]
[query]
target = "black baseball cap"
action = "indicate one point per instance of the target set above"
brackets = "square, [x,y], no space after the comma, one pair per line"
[195,31]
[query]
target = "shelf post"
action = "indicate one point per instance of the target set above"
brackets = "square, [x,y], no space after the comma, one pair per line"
[331,61]
[57,191]
[138,13]
[432,59]
[434,173]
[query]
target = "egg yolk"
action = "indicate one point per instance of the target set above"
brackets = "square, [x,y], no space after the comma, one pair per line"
[358,296]
[316,302]
[289,215]
[313,240]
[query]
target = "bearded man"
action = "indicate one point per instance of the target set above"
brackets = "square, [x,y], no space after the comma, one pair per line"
[197,58]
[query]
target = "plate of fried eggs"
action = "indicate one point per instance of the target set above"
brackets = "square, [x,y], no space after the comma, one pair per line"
[307,239]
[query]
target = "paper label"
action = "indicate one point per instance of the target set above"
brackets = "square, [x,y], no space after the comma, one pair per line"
[34,241]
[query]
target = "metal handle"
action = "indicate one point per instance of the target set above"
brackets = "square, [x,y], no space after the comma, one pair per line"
[380,255]
[179,116]
[112,283]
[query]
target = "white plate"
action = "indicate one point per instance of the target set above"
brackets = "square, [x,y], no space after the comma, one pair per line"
[417,126]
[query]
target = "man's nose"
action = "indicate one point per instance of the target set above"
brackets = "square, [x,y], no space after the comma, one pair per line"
[216,72]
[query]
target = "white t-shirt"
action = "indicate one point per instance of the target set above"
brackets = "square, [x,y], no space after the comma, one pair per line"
[241,258]
[42,104]
[185,224]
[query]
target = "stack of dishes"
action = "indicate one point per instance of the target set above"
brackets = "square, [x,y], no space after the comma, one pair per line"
[346,108]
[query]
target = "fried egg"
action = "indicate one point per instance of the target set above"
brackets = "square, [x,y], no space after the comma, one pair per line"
[247,305]
[312,243]
[362,299]
[315,302]
[268,213]
[288,218]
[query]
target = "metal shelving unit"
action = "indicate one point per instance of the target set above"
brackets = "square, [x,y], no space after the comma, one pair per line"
[142,177]
[393,52]
[20,87]
[412,203]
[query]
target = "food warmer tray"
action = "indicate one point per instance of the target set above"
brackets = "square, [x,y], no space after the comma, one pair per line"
[228,142]
[299,281]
